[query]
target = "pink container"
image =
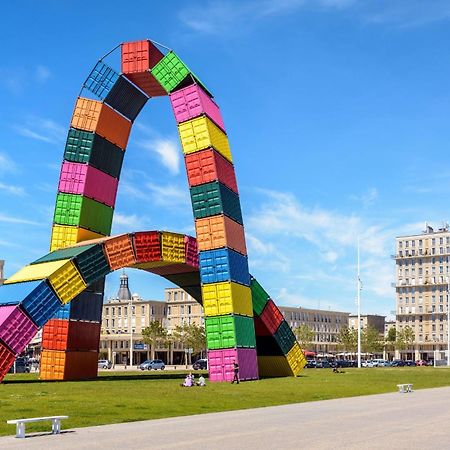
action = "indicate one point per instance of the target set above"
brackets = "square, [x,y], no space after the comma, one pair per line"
[220,364]
[77,178]
[16,329]
[191,102]
[191,251]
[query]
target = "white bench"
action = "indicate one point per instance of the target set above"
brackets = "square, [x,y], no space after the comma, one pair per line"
[404,388]
[20,424]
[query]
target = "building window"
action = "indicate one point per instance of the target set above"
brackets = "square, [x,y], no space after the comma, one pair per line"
[175,296]
[143,310]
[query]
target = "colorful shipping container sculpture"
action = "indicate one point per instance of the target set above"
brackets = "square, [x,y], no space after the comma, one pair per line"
[62,291]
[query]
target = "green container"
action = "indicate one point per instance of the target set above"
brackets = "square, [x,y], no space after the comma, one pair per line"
[285,337]
[64,253]
[90,148]
[76,210]
[170,71]
[229,332]
[259,297]
[92,264]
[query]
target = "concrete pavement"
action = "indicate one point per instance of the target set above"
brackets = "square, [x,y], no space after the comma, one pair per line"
[419,420]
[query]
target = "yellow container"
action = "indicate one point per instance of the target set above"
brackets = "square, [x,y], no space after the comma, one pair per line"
[67,282]
[36,271]
[200,133]
[173,248]
[227,298]
[274,366]
[65,236]
[296,359]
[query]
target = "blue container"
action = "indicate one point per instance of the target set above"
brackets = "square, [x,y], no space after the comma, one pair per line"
[87,307]
[101,80]
[224,265]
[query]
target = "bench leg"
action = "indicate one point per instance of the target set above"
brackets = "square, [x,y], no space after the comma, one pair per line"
[20,430]
[56,426]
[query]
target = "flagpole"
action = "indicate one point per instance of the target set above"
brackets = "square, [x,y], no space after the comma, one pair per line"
[359,311]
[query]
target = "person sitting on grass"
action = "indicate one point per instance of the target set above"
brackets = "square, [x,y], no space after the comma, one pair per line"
[201,381]
[187,381]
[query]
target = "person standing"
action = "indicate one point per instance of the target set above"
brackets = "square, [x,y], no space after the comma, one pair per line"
[236,372]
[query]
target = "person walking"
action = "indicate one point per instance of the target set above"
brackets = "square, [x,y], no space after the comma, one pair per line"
[236,372]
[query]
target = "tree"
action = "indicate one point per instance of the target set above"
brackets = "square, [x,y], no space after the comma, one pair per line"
[305,336]
[348,339]
[405,338]
[190,336]
[155,334]
[391,338]
[371,341]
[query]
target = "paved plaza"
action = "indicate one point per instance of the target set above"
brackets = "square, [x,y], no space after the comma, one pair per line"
[387,421]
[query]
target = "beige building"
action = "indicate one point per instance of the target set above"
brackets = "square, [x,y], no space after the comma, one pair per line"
[367,320]
[422,267]
[182,308]
[388,324]
[325,324]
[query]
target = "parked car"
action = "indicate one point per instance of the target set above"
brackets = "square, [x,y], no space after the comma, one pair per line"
[409,362]
[154,364]
[22,366]
[310,364]
[323,364]
[104,364]
[422,362]
[398,363]
[379,363]
[200,364]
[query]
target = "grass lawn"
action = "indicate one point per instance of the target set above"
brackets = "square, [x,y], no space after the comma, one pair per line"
[124,397]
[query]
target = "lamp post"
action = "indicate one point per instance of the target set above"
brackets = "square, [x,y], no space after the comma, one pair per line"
[448,323]
[131,332]
[359,311]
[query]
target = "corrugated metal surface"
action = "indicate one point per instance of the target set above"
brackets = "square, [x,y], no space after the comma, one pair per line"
[260,327]
[16,329]
[91,115]
[208,165]
[191,251]
[214,198]
[13,294]
[77,210]
[65,236]
[171,269]
[223,265]
[120,252]
[92,264]
[101,80]
[173,247]
[6,360]
[221,367]
[259,296]
[296,359]
[271,316]
[218,232]
[202,133]
[192,102]
[147,245]
[229,331]
[36,271]
[78,178]
[86,147]
[285,337]
[248,364]
[227,298]
[65,253]
[59,365]
[170,71]
[67,282]
[86,306]
[274,366]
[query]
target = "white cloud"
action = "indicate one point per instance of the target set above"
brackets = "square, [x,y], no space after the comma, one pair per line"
[41,129]
[167,150]
[42,73]
[130,222]
[169,195]
[11,189]
[5,218]
[368,198]
[6,164]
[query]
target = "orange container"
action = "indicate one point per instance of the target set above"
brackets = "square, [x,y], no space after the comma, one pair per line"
[58,365]
[218,232]
[95,116]
[60,334]
[120,252]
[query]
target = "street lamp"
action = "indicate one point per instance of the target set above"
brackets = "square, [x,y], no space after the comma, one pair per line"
[359,287]
[448,323]
[131,332]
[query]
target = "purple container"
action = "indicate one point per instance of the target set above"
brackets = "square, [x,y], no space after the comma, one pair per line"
[220,364]
[16,329]
[191,251]
[77,178]
[193,101]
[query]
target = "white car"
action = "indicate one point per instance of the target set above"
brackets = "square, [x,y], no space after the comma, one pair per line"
[380,363]
[367,363]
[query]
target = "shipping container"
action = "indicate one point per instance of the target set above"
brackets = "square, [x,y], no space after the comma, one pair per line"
[285,337]
[202,133]
[101,80]
[16,329]
[214,198]
[34,272]
[229,331]
[173,247]
[67,282]
[192,102]
[77,210]
[64,253]
[60,365]
[7,358]
[208,165]
[221,367]
[95,116]
[120,251]
[90,148]
[219,232]
[268,346]
[259,297]
[274,366]
[223,265]
[191,251]
[272,316]
[147,246]
[227,298]
[138,58]
[78,178]
[71,335]
[296,359]
[171,269]
[260,327]
[170,71]
[65,236]
[86,306]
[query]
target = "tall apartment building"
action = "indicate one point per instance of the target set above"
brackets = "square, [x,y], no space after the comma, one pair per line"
[325,324]
[422,266]
[2,267]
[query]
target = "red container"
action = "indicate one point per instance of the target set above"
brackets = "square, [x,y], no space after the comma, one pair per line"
[221,368]
[208,165]
[191,251]
[120,252]
[6,360]
[16,329]
[260,327]
[65,335]
[271,316]
[60,365]
[77,178]
[147,245]
[138,58]
[193,101]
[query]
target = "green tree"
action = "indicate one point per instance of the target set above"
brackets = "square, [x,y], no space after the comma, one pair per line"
[305,336]
[347,339]
[391,339]
[197,338]
[371,340]
[155,334]
[190,336]
[405,338]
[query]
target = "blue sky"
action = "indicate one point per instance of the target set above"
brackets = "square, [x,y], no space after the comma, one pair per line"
[337,112]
